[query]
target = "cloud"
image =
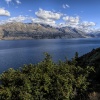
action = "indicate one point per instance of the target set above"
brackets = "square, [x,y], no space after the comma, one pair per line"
[50,18]
[20,18]
[18,2]
[8,1]
[43,17]
[71,20]
[87,24]
[30,10]
[75,22]
[43,14]
[4,12]
[65,6]
[46,17]
[42,21]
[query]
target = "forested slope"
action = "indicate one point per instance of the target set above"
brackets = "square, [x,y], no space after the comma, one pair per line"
[65,80]
[45,81]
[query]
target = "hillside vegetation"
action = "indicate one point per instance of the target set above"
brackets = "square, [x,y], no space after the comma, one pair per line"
[91,59]
[52,81]
[44,81]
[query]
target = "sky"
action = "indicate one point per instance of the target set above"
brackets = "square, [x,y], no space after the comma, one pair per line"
[83,14]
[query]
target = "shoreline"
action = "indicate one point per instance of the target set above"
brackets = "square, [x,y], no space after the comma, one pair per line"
[30,38]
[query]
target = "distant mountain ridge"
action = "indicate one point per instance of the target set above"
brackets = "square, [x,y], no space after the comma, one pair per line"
[95,34]
[19,30]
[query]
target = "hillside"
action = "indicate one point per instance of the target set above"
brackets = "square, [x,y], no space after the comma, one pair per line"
[91,59]
[45,81]
[19,30]
[53,81]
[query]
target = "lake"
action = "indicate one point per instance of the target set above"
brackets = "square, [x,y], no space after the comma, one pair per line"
[15,53]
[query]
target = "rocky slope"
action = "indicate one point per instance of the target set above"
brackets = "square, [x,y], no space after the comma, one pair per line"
[37,31]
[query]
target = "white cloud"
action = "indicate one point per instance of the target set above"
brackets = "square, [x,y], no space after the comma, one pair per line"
[76,23]
[18,2]
[87,24]
[30,10]
[4,12]
[43,14]
[20,18]
[42,21]
[71,20]
[65,6]
[46,17]
[8,1]
[50,18]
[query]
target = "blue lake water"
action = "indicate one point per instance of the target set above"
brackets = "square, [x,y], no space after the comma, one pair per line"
[15,53]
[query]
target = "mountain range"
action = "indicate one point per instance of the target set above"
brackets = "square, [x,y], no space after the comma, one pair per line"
[18,30]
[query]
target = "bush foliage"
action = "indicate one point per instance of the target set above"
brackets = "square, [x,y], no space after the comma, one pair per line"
[45,81]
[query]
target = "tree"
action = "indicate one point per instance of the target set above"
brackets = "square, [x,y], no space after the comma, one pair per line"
[45,81]
[76,55]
